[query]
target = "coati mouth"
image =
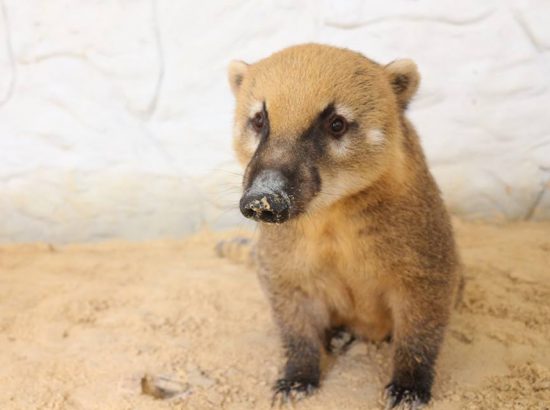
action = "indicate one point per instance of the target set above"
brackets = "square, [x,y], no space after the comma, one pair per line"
[266,199]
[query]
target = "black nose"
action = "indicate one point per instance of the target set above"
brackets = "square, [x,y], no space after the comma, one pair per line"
[266,200]
[272,208]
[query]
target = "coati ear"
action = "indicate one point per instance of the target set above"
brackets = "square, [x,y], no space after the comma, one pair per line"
[404,79]
[236,71]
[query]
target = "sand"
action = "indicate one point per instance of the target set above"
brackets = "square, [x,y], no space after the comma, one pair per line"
[81,325]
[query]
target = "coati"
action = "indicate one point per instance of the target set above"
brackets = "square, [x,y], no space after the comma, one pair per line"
[353,233]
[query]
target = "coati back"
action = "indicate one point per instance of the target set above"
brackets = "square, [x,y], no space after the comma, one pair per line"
[353,231]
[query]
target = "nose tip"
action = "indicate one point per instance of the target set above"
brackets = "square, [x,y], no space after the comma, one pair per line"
[266,199]
[265,207]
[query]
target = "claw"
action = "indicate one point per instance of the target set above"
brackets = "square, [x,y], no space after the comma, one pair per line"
[406,398]
[288,392]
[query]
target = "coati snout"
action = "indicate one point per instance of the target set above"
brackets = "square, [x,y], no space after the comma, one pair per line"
[284,172]
[282,176]
[276,195]
[266,199]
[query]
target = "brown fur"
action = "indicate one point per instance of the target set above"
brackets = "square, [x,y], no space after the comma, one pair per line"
[372,249]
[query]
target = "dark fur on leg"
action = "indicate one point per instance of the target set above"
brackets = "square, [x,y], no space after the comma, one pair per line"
[410,387]
[302,371]
[413,374]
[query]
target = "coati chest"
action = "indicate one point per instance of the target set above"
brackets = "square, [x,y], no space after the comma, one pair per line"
[332,261]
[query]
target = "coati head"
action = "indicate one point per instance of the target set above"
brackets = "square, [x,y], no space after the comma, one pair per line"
[314,124]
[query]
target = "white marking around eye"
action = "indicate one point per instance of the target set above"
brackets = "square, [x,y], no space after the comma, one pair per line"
[242,132]
[252,141]
[345,112]
[340,147]
[375,136]
[255,107]
[248,138]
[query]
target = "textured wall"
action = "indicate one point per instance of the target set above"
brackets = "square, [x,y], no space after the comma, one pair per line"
[115,116]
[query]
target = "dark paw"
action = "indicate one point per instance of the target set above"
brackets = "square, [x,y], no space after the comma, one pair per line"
[290,391]
[338,340]
[409,398]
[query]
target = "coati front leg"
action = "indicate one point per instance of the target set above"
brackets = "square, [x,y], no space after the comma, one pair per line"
[420,320]
[302,323]
[302,370]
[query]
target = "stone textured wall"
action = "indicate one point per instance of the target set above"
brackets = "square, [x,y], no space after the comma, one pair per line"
[115,116]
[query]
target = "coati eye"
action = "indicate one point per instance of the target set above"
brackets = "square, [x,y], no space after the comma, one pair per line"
[337,125]
[258,121]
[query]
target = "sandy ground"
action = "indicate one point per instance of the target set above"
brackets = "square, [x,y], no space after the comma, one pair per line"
[80,326]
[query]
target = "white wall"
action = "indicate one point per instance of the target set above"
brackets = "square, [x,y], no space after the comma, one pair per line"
[115,116]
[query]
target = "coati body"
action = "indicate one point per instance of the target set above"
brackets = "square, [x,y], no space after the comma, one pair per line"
[353,231]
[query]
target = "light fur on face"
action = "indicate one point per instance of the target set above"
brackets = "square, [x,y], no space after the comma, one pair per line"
[375,136]
[247,138]
[296,86]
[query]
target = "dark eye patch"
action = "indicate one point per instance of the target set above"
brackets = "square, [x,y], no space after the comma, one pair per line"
[327,112]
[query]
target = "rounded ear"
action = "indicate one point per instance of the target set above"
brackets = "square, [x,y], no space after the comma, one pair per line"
[235,73]
[404,79]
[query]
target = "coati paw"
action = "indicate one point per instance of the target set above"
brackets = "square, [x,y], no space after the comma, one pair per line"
[338,340]
[406,398]
[291,391]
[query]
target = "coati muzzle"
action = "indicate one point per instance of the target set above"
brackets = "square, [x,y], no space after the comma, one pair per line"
[266,199]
